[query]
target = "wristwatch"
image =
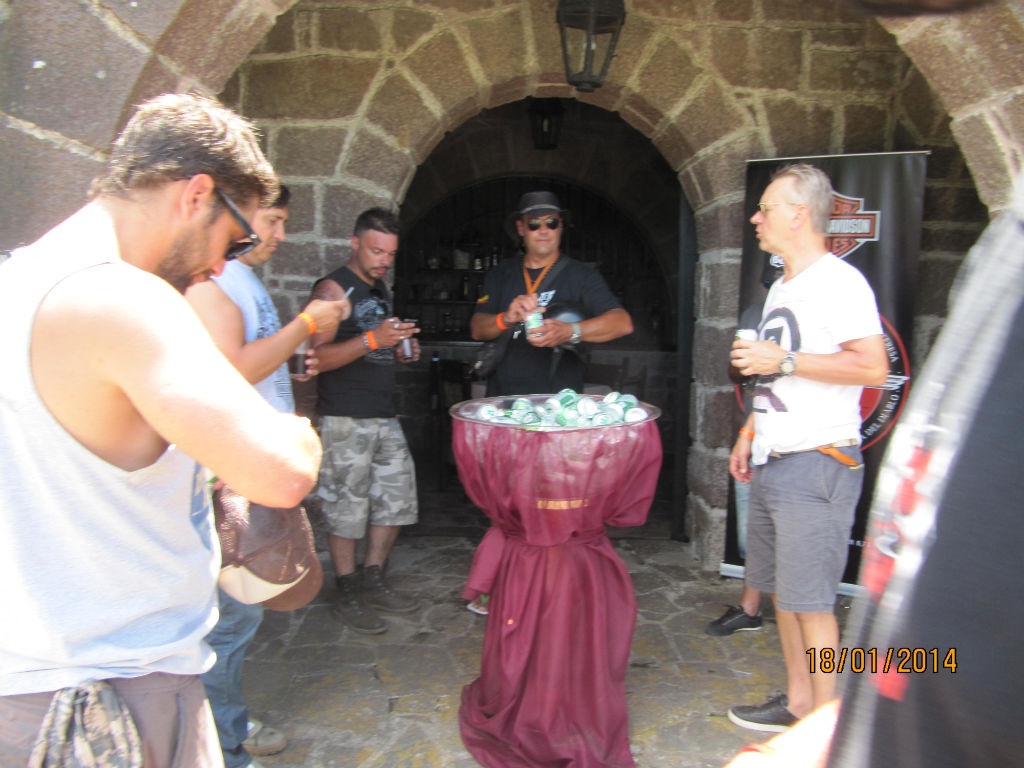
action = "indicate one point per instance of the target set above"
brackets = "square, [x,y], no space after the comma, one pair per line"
[787,367]
[577,334]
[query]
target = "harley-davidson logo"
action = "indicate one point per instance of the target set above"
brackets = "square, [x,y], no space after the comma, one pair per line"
[850,226]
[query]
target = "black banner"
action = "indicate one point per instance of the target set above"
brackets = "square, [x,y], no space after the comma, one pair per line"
[876,227]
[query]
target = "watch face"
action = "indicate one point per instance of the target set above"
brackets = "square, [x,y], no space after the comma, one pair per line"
[788,365]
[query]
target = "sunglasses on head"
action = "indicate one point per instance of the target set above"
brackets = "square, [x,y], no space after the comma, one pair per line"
[251,239]
[551,222]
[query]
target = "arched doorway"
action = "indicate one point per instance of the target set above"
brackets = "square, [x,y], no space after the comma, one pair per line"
[628,213]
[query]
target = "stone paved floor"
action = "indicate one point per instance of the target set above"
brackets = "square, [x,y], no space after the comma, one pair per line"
[391,700]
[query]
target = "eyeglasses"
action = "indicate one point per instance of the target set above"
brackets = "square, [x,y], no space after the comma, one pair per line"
[765,206]
[552,223]
[251,239]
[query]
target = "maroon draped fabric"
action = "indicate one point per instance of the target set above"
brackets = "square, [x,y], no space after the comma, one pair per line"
[551,690]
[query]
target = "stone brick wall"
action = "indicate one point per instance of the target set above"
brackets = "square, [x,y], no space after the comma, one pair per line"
[354,96]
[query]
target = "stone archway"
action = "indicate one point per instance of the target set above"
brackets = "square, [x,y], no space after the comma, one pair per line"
[353,96]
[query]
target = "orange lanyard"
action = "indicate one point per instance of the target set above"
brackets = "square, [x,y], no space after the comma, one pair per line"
[531,287]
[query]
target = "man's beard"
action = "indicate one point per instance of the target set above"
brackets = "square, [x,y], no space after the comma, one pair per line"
[185,260]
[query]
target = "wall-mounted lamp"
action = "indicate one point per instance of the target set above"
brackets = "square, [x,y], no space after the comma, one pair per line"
[590,29]
[545,121]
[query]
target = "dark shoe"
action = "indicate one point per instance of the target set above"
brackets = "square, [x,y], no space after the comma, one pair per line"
[735,619]
[377,594]
[351,610]
[770,716]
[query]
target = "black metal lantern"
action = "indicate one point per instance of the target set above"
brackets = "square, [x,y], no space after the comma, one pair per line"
[590,30]
[545,121]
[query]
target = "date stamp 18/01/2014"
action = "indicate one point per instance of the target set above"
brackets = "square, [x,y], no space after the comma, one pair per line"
[873,660]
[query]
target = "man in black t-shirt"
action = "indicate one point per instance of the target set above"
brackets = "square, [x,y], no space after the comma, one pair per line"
[536,360]
[367,479]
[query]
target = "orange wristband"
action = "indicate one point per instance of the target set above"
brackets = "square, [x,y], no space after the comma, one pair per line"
[498,320]
[763,748]
[747,433]
[370,341]
[310,322]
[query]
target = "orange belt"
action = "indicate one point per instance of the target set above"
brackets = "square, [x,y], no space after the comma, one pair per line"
[830,450]
[842,458]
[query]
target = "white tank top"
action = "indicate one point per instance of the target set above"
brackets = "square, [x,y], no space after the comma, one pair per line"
[103,573]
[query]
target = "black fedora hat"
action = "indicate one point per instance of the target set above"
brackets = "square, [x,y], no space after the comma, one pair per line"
[533,204]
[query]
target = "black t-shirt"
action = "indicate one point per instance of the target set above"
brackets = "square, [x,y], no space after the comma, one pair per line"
[362,389]
[526,369]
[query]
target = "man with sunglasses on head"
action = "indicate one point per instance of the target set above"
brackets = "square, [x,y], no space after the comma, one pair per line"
[243,321]
[517,288]
[367,481]
[819,343]
[114,398]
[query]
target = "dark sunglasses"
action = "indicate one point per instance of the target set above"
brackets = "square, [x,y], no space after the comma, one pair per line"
[552,222]
[251,239]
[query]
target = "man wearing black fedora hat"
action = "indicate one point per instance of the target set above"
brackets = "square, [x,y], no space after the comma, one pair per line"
[541,281]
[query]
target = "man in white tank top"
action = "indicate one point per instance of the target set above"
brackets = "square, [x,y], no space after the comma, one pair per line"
[112,397]
[243,321]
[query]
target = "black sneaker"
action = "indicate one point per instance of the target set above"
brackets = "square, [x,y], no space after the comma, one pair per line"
[770,716]
[351,610]
[735,619]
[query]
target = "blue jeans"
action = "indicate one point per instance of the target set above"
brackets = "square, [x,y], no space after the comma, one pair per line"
[230,639]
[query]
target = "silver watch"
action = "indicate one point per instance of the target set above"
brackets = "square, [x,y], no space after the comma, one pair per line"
[577,334]
[787,367]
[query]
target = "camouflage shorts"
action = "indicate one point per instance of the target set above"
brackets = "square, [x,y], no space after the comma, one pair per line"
[366,476]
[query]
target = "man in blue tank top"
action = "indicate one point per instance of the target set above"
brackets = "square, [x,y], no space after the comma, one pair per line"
[243,321]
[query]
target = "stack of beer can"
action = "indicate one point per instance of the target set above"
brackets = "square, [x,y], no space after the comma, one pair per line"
[566,410]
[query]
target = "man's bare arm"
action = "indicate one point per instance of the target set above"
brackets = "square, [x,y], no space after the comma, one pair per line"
[335,354]
[484,326]
[608,326]
[605,327]
[860,362]
[124,364]
[256,359]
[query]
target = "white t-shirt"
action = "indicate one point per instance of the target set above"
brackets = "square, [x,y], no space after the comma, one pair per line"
[828,303]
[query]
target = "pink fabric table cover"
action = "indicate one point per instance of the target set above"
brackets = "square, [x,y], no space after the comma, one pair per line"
[551,690]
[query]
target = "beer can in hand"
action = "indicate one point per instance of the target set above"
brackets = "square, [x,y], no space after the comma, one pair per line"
[405,347]
[747,334]
[297,362]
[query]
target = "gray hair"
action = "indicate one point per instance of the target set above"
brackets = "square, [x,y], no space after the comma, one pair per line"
[813,189]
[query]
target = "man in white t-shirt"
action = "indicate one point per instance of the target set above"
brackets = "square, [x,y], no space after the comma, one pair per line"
[819,343]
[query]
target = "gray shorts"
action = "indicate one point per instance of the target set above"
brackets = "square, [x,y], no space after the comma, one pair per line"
[366,475]
[798,528]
